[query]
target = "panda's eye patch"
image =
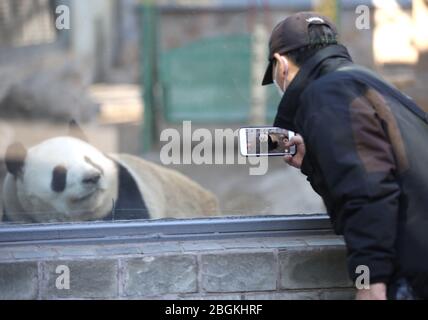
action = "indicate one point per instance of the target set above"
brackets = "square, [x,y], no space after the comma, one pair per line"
[59,179]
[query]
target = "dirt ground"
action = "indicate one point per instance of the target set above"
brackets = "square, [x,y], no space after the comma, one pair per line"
[283,190]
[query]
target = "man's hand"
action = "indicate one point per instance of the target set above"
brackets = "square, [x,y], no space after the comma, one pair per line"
[377,291]
[296,160]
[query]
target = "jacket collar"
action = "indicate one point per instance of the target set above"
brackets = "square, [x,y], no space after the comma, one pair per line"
[318,65]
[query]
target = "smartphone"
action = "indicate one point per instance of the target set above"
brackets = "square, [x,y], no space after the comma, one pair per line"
[265,141]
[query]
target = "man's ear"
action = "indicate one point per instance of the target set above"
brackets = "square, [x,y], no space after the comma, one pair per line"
[15,158]
[75,131]
[282,70]
[280,63]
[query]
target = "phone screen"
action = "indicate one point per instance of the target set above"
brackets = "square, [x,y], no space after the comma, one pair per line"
[267,141]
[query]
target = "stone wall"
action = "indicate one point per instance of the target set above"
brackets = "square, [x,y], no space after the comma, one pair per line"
[239,269]
[178,28]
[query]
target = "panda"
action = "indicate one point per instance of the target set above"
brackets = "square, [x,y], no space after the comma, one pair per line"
[65,179]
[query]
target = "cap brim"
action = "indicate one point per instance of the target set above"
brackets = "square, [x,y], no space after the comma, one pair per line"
[267,79]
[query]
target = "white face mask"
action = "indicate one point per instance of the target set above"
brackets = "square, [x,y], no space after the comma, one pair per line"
[281,91]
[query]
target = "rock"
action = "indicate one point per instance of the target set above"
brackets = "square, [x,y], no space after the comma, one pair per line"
[57,94]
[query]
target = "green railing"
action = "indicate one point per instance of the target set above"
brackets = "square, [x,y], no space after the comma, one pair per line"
[207,80]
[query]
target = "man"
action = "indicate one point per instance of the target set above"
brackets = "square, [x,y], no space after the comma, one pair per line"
[363,147]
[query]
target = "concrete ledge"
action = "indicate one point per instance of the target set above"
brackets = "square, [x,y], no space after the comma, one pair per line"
[244,269]
[19,280]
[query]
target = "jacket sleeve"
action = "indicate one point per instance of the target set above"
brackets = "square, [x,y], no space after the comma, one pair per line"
[356,162]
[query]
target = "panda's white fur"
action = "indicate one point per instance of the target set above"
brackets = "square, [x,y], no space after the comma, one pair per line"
[28,195]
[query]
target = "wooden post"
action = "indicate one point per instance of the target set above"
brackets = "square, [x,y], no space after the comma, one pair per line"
[259,47]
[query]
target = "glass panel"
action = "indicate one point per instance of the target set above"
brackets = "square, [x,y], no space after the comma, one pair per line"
[129,110]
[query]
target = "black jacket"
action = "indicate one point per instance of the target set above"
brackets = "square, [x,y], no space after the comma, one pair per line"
[367,157]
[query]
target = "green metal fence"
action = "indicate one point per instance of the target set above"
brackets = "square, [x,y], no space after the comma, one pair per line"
[207,80]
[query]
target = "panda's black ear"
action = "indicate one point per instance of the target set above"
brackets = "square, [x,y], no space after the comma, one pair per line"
[75,131]
[15,158]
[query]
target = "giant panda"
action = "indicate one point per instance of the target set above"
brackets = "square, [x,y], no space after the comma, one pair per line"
[66,179]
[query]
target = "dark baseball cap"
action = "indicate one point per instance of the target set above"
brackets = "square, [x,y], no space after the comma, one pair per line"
[293,33]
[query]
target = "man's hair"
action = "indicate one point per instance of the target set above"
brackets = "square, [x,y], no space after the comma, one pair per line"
[320,36]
